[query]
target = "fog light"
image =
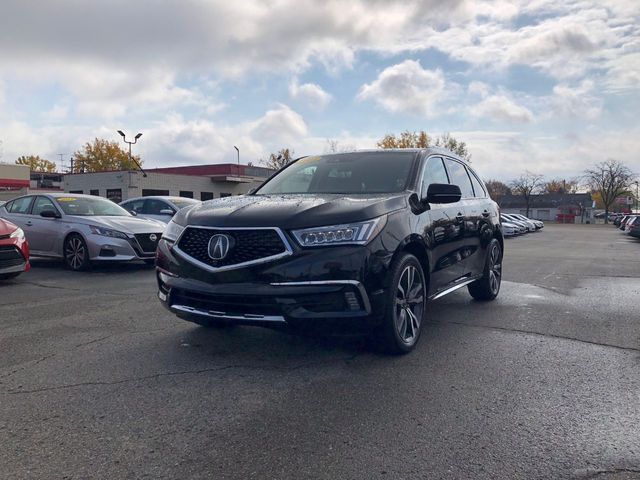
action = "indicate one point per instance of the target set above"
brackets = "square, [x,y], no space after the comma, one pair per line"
[352,301]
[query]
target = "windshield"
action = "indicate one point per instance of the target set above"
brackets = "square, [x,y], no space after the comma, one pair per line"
[180,203]
[347,173]
[90,206]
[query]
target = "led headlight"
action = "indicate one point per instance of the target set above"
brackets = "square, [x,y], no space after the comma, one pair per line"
[358,233]
[172,231]
[106,232]
[17,233]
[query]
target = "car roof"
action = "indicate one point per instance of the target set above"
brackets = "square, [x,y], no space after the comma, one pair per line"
[427,151]
[169,198]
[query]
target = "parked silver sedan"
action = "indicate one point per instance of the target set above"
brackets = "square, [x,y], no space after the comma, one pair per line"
[158,207]
[81,229]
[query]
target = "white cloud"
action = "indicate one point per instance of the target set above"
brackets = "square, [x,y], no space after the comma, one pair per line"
[406,88]
[576,101]
[503,109]
[279,125]
[310,93]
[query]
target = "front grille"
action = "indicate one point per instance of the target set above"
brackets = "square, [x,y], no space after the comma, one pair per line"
[146,244]
[248,245]
[10,257]
[226,304]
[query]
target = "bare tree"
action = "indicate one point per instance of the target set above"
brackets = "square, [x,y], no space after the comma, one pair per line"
[279,159]
[497,189]
[333,146]
[610,179]
[527,184]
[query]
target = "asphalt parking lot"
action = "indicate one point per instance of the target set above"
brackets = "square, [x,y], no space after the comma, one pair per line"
[97,380]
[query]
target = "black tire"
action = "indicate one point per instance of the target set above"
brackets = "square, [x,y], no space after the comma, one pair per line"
[9,276]
[487,287]
[76,253]
[404,311]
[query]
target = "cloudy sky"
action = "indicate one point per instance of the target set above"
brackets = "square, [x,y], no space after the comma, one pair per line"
[546,85]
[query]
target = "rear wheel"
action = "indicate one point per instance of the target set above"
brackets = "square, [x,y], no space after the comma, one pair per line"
[76,253]
[488,287]
[406,302]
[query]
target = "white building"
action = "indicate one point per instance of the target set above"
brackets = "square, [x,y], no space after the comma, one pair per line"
[202,182]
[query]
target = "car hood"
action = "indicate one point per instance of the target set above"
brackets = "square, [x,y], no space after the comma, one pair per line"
[289,211]
[122,224]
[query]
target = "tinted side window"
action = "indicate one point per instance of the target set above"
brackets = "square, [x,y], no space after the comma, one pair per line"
[477,186]
[458,176]
[434,172]
[154,207]
[42,204]
[20,205]
[134,205]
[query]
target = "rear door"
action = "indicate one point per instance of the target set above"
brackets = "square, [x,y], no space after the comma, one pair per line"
[18,212]
[467,209]
[441,227]
[45,232]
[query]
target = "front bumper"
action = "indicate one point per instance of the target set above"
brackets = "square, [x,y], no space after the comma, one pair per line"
[103,248]
[340,286]
[14,256]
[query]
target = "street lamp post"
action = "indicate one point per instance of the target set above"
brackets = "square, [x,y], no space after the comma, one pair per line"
[637,199]
[238,152]
[135,140]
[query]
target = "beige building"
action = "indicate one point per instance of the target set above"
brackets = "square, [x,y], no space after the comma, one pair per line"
[202,182]
[14,180]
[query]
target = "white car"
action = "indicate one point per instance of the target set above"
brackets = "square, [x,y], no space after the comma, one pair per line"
[157,208]
[537,223]
[529,225]
[510,229]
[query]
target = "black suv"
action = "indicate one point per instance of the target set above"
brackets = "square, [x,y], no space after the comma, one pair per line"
[348,239]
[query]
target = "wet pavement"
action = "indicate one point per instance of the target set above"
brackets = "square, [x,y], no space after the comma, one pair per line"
[97,380]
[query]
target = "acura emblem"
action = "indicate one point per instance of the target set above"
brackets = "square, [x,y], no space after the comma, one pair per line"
[153,237]
[219,246]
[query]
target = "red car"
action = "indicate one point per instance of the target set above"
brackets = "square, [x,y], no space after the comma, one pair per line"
[14,251]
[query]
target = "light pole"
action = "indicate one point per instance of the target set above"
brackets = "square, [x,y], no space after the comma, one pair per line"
[238,152]
[135,140]
[637,199]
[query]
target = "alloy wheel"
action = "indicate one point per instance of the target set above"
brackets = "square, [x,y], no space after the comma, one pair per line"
[75,253]
[495,269]
[409,305]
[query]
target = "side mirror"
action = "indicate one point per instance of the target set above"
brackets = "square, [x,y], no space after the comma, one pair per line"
[167,211]
[443,193]
[133,212]
[50,214]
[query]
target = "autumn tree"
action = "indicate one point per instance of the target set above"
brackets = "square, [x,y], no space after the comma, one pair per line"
[527,185]
[459,148]
[406,139]
[36,164]
[609,179]
[103,155]
[561,186]
[421,139]
[497,189]
[279,159]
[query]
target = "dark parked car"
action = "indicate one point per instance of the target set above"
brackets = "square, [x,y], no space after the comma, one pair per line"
[349,239]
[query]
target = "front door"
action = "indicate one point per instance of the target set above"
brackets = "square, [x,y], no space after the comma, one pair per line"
[442,227]
[46,232]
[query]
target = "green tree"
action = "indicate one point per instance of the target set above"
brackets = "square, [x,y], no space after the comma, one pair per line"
[279,159]
[103,155]
[36,164]
[421,139]
[609,179]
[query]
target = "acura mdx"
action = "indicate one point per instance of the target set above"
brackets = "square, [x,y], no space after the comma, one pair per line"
[346,240]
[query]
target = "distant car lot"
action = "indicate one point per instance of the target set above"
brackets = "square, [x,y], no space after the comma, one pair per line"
[111,385]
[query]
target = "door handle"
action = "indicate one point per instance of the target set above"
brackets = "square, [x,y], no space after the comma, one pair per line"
[460,217]
[485,213]
[28,224]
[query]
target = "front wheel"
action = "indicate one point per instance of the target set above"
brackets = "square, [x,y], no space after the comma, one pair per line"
[488,286]
[406,303]
[76,253]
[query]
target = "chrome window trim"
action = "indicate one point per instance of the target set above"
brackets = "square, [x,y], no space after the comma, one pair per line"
[288,250]
[354,283]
